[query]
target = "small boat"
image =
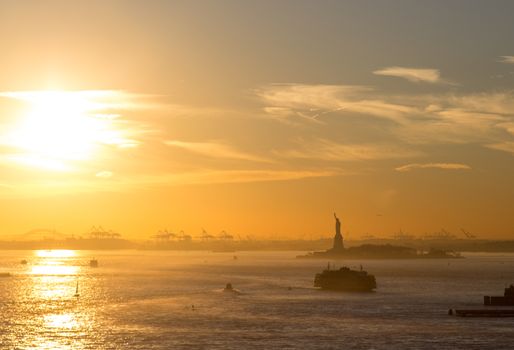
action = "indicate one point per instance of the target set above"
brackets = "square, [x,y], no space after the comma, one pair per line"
[93,263]
[229,289]
[24,262]
[5,274]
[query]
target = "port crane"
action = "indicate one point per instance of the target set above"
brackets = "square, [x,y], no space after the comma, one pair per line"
[206,236]
[183,237]
[100,233]
[164,236]
[225,236]
[467,234]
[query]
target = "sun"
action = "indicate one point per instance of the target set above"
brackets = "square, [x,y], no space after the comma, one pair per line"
[62,128]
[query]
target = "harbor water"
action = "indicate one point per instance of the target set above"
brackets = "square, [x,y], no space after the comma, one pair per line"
[175,300]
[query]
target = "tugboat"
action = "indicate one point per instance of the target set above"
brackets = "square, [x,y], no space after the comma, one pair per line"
[228,288]
[345,279]
[231,290]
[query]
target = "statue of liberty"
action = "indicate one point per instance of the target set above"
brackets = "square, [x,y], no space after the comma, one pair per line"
[338,238]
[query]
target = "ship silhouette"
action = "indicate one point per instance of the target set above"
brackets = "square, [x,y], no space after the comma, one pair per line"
[345,279]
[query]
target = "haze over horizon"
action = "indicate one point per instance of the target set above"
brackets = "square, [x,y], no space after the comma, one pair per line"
[259,118]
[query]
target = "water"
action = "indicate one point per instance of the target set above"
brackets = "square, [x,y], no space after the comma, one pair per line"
[143,300]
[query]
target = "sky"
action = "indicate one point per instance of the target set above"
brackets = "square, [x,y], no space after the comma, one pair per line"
[260,118]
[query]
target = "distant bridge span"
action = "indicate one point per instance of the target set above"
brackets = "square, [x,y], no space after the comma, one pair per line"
[43,232]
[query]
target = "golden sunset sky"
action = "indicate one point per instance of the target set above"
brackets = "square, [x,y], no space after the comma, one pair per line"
[259,118]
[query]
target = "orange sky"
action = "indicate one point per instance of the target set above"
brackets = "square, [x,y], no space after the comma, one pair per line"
[258,118]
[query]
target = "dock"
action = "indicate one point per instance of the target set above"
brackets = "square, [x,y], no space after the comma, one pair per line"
[482,312]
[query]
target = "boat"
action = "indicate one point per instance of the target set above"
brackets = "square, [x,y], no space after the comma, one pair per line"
[506,300]
[24,262]
[345,279]
[5,274]
[229,289]
[77,290]
[93,263]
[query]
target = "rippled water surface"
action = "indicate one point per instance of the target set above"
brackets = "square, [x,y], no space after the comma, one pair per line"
[174,300]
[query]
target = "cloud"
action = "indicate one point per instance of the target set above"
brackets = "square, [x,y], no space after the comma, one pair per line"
[445,166]
[244,176]
[507,59]
[321,149]
[310,102]
[503,146]
[215,150]
[413,119]
[42,187]
[105,174]
[415,75]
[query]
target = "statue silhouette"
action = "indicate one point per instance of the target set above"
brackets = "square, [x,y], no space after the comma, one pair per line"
[338,238]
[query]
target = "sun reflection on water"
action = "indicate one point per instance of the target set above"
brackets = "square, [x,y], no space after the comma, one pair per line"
[54,263]
[53,270]
[62,321]
[56,253]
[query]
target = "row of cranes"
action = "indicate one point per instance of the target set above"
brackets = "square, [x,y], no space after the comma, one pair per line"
[166,235]
[96,232]
[440,235]
[100,233]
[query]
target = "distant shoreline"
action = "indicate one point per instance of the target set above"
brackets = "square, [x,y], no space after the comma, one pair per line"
[457,245]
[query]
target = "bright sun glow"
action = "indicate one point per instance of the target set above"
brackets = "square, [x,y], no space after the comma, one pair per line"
[62,127]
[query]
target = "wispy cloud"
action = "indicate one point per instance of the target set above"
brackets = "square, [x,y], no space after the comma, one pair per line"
[467,118]
[104,174]
[415,75]
[240,176]
[507,59]
[321,149]
[507,146]
[444,166]
[131,181]
[313,101]
[215,150]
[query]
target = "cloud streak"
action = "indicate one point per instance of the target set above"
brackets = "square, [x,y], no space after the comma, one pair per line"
[444,166]
[327,150]
[415,75]
[507,59]
[310,102]
[503,146]
[215,150]
[485,119]
[104,174]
